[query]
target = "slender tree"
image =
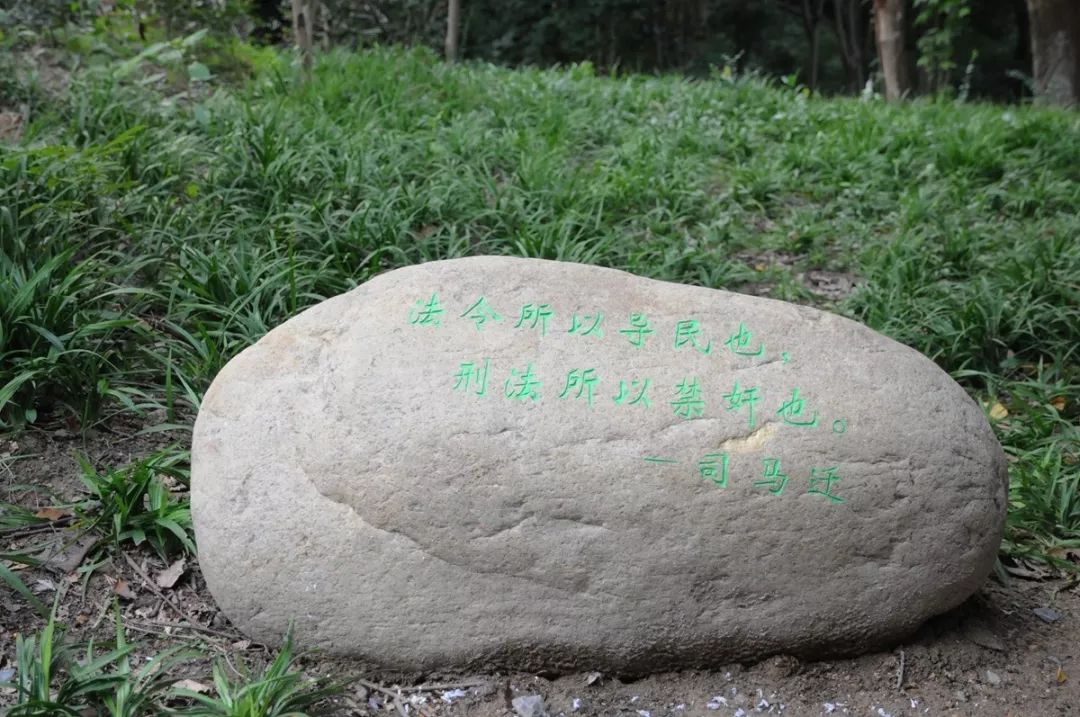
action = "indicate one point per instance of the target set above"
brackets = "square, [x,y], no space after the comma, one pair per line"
[851,22]
[301,17]
[812,11]
[890,30]
[453,29]
[1055,50]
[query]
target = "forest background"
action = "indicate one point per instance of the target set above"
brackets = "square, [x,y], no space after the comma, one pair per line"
[1003,50]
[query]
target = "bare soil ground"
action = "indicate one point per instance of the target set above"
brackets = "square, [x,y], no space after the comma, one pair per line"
[1013,649]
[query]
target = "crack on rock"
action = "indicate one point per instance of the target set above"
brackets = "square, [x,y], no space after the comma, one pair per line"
[577,522]
[506,529]
[463,565]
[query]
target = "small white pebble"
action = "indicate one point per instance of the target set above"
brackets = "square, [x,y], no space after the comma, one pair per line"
[829,708]
[644,713]
[577,704]
[740,713]
[635,698]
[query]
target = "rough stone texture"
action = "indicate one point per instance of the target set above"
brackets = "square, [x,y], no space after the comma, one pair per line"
[340,481]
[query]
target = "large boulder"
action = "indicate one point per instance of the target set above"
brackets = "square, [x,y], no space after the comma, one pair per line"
[521,463]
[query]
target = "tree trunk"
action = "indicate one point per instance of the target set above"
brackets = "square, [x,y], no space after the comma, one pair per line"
[890,27]
[850,23]
[1022,50]
[453,29]
[811,16]
[301,18]
[1055,50]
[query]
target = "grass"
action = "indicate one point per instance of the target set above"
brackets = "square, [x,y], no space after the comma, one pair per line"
[55,677]
[14,519]
[134,504]
[150,229]
[52,680]
[278,691]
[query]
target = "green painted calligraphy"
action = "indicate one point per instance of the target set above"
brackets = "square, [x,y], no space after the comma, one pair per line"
[577,325]
[427,313]
[533,314]
[472,375]
[522,386]
[775,481]
[625,392]
[481,312]
[584,380]
[839,426]
[714,467]
[742,397]
[821,483]
[658,459]
[688,403]
[687,333]
[793,411]
[739,342]
[638,331]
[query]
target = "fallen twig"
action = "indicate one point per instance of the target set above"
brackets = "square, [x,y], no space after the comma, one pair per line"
[195,626]
[105,605]
[154,588]
[900,671]
[395,697]
[47,527]
[446,685]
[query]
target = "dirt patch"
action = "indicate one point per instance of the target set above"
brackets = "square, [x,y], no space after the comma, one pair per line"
[1013,649]
[824,287]
[991,656]
[829,285]
[11,125]
[28,75]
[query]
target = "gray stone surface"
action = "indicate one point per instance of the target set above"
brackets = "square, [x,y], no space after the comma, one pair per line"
[529,706]
[348,475]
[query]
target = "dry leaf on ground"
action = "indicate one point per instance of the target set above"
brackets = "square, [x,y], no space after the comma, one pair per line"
[168,577]
[71,552]
[122,589]
[52,513]
[191,685]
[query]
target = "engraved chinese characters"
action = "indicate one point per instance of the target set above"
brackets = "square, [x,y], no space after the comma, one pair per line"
[534,464]
[684,399]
